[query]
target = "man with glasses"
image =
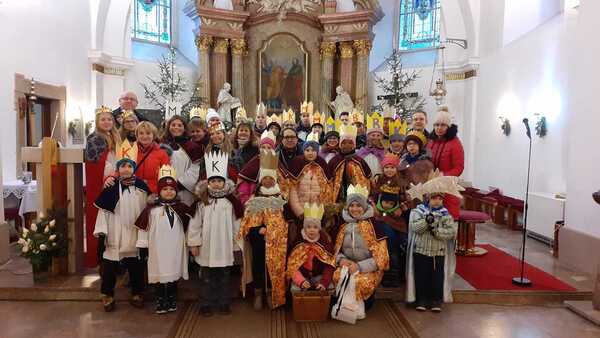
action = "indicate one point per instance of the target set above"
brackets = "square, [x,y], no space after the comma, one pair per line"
[127,101]
[289,147]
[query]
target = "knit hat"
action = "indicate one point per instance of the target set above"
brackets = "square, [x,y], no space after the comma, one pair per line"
[124,160]
[357,193]
[167,181]
[417,136]
[388,196]
[332,133]
[443,116]
[390,159]
[211,114]
[397,137]
[312,140]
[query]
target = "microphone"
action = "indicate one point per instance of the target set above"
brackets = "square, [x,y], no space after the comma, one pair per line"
[526,123]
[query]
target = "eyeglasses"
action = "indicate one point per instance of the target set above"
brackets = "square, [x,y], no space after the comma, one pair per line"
[289,137]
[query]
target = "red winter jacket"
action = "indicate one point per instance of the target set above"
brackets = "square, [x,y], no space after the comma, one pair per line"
[148,170]
[449,157]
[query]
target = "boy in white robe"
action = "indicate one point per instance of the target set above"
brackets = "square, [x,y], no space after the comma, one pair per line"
[119,206]
[162,231]
[212,234]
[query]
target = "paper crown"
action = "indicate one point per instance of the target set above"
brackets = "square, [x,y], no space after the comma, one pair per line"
[216,164]
[216,126]
[128,113]
[313,136]
[375,121]
[436,184]
[330,124]
[388,111]
[267,134]
[274,119]
[347,132]
[240,113]
[269,163]
[417,134]
[357,190]
[261,109]
[397,127]
[198,112]
[289,115]
[307,107]
[103,109]
[166,171]
[389,189]
[316,117]
[127,150]
[357,116]
[314,211]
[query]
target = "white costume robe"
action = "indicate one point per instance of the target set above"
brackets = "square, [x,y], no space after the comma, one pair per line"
[121,234]
[167,252]
[187,174]
[374,164]
[214,229]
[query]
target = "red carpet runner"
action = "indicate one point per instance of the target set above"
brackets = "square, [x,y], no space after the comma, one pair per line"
[495,270]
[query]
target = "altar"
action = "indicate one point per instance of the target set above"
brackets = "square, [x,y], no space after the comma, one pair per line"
[282,53]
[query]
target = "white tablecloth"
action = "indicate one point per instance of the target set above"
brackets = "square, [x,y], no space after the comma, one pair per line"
[17,190]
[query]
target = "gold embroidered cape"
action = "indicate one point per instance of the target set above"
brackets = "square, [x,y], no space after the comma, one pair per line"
[355,174]
[366,282]
[300,253]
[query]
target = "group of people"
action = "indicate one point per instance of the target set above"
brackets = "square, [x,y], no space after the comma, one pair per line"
[297,205]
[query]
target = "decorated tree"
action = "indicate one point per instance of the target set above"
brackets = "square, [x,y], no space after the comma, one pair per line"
[395,89]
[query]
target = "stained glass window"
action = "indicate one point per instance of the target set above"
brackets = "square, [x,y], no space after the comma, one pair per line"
[419,24]
[152,20]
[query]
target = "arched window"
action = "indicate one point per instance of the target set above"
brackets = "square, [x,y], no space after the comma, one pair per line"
[152,20]
[419,24]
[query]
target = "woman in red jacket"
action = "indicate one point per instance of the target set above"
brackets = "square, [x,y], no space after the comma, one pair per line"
[150,156]
[447,154]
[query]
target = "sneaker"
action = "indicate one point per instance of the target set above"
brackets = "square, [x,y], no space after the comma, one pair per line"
[421,307]
[172,304]
[108,303]
[258,299]
[206,311]
[436,307]
[225,310]
[161,306]
[137,301]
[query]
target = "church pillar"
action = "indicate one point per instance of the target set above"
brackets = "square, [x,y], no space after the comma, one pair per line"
[327,54]
[219,67]
[362,47]
[346,67]
[203,43]
[238,49]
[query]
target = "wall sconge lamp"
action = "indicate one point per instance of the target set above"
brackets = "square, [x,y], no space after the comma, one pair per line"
[541,129]
[505,125]
[439,92]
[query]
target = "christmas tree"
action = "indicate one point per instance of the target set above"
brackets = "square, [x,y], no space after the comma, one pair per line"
[169,86]
[395,89]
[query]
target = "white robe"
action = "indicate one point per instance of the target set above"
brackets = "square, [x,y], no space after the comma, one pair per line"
[121,234]
[187,174]
[374,164]
[167,252]
[214,229]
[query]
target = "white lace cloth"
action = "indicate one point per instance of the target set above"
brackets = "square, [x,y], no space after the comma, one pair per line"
[17,190]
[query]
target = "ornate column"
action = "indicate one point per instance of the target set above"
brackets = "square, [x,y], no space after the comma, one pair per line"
[204,43]
[363,48]
[238,49]
[219,68]
[327,54]
[346,71]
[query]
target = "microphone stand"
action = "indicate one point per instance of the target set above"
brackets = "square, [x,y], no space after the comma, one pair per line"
[522,281]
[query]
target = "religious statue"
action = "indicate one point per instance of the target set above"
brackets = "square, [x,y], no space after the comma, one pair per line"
[342,103]
[345,6]
[226,102]
[223,4]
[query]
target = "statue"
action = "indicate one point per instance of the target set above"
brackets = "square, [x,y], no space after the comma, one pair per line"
[342,102]
[223,4]
[345,6]
[226,102]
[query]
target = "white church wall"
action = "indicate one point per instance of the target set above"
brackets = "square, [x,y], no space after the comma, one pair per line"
[48,41]
[186,35]
[521,17]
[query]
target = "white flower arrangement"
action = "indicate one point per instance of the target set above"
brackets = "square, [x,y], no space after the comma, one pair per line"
[40,243]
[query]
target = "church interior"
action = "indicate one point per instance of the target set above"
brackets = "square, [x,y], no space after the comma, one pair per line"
[513,78]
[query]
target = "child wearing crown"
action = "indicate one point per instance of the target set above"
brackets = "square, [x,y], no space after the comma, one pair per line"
[311,262]
[361,246]
[265,228]
[162,225]
[119,206]
[416,162]
[212,233]
[431,258]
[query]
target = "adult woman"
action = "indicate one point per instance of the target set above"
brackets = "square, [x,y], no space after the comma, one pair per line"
[244,144]
[289,148]
[150,157]
[447,154]
[331,147]
[100,159]
[185,158]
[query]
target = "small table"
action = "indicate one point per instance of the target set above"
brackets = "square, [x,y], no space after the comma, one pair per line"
[467,222]
[16,190]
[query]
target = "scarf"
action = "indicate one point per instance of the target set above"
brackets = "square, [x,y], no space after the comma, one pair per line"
[274,190]
[306,238]
[242,142]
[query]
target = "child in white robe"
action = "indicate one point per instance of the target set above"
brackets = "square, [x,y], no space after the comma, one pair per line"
[119,206]
[162,231]
[212,234]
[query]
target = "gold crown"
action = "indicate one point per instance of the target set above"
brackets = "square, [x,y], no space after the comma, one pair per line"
[103,109]
[348,131]
[268,160]
[128,113]
[357,116]
[358,190]
[313,136]
[390,189]
[330,124]
[289,115]
[316,118]
[314,211]
[127,150]
[261,109]
[240,113]
[398,127]
[216,126]
[375,121]
[274,118]
[167,171]
[307,107]
[198,112]
[418,135]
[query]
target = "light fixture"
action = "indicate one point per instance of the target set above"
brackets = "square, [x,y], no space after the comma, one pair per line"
[439,92]
[505,125]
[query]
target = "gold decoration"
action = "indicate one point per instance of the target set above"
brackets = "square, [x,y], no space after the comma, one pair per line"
[238,47]
[289,115]
[274,118]
[221,46]
[398,127]
[314,211]
[357,116]
[346,50]
[348,131]
[307,107]
[375,120]
[204,42]
[167,171]
[316,118]
[327,49]
[358,190]
[268,160]
[198,112]
[330,124]
[363,47]
[103,109]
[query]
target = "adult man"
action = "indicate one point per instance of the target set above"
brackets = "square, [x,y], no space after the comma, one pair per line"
[419,122]
[345,118]
[289,148]
[260,123]
[127,101]
[227,102]
[304,128]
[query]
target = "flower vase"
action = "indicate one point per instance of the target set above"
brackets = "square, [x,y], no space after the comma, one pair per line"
[40,272]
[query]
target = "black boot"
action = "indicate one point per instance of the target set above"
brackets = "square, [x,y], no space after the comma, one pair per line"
[172,296]
[161,299]
[391,278]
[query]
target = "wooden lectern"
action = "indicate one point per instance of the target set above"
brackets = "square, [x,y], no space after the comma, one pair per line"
[44,158]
